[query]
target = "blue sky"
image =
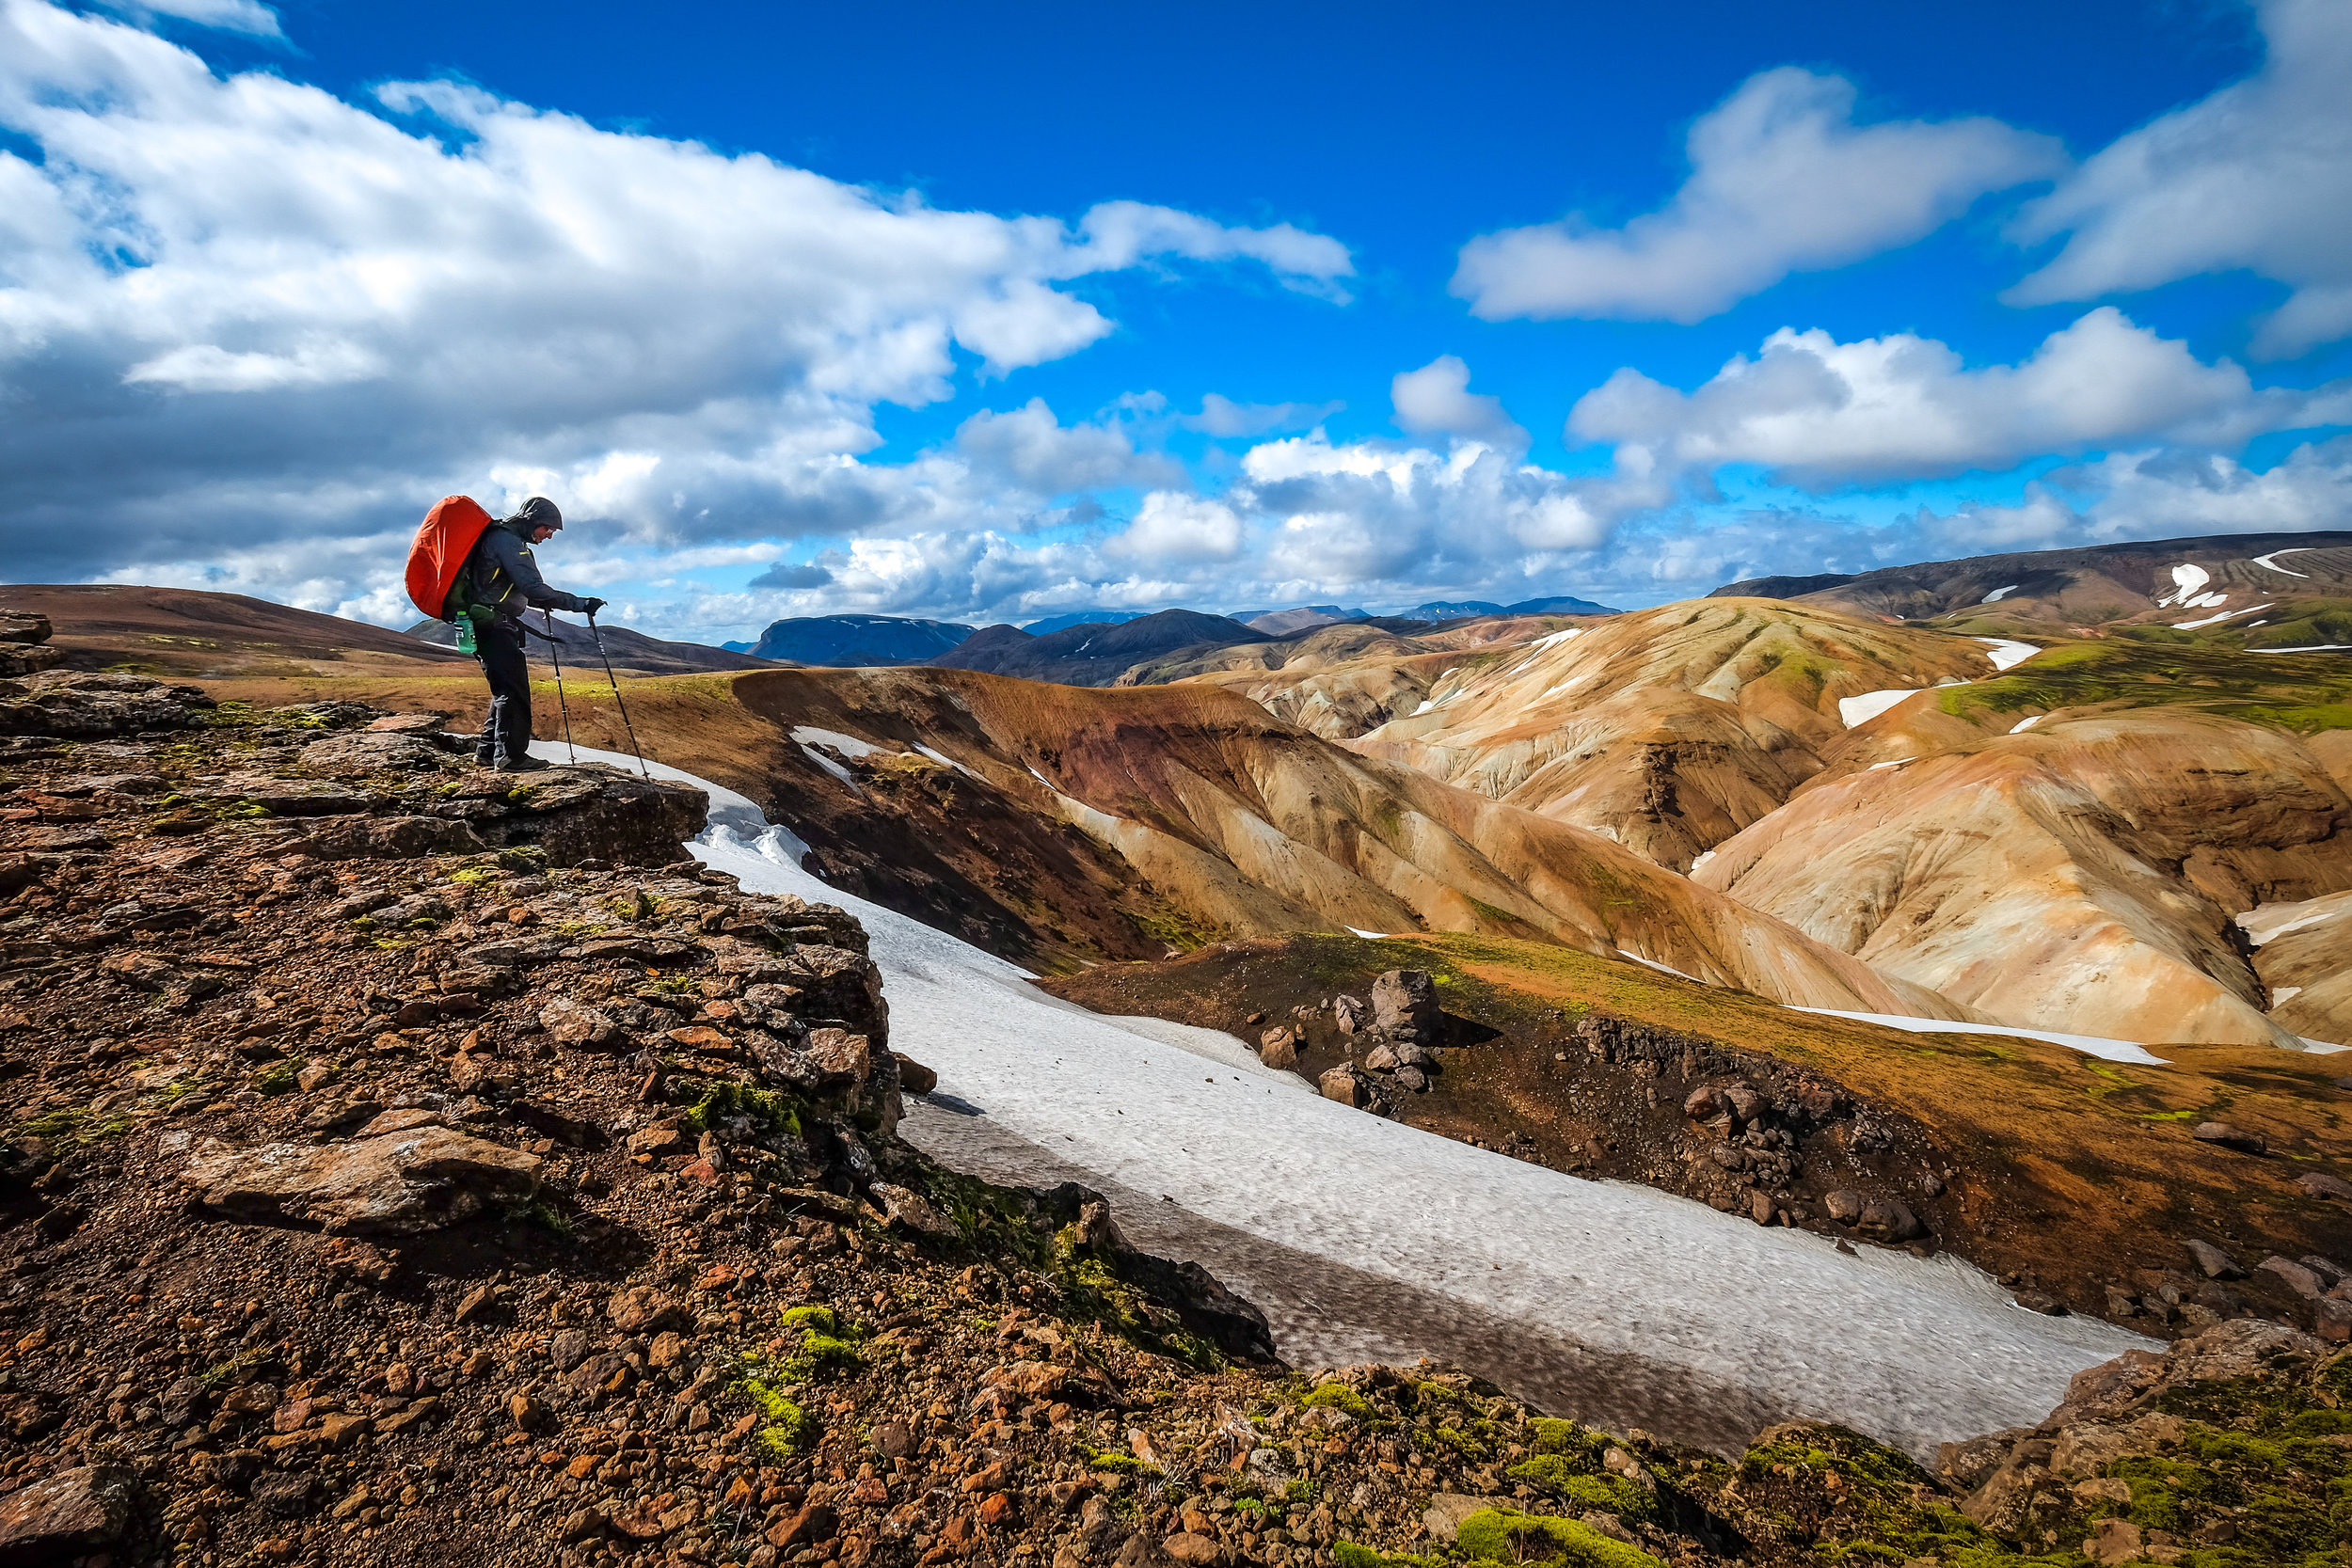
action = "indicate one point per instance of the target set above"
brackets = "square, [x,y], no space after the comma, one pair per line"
[986,315]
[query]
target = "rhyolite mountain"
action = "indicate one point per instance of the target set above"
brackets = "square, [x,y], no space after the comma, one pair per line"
[2227,579]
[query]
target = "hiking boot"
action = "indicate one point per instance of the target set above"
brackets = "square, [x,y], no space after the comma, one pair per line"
[524,765]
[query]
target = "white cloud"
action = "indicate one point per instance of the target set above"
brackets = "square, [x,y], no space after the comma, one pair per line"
[2257,176]
[1173,529]
[1436,400]
[2149,495]
[1365,513]
[234,310]
[1032,450]
[230,16]
[1821,414]
[1223,418]
[1782,180]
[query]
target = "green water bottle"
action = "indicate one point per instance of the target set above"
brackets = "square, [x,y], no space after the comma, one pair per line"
[464,634]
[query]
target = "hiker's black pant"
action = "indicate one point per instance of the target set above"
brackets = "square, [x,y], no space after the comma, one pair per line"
[506,733]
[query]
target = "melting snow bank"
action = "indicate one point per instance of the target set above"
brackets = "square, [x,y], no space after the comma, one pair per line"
[1861,709]
[2007,655]
[1359,1237]
[2089,1045]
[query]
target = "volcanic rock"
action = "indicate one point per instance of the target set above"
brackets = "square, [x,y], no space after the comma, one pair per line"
[393,1184]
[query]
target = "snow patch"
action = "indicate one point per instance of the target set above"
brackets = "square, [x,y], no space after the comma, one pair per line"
[2089,1045]
[1424,707]
[2306,648]
[1704,856]
[2283,995]
[2225,615]
[2007,655]
[1368,936]
[2321,1048]
[1926,1350]
[2267,923]
[1897,763]
[831,766]
[944,760]
[2000,593]
[848,745]
[2187,581]
[1663,969]
[2271,562]
[2024,724]
[1861,709]
[1556,639]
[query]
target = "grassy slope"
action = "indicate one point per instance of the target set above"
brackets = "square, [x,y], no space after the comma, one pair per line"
[2151,666]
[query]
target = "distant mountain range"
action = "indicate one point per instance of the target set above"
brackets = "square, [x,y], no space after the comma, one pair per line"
[632,651]
[853,641]
[1094,654]
[1463,610]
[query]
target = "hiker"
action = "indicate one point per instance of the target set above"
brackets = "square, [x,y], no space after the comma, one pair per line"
[499,576]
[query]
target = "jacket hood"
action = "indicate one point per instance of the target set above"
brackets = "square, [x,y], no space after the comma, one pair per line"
[538,512]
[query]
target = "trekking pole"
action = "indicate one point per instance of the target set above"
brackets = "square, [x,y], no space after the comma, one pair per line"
[554,652]
[634,748]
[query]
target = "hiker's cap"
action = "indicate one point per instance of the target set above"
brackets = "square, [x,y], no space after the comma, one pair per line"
[539,512]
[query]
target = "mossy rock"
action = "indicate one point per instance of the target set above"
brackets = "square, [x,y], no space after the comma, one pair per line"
[1501,1535]
[1340,1397]
[1559,1476]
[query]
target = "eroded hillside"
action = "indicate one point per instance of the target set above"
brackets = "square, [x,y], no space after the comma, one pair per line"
[2072,843]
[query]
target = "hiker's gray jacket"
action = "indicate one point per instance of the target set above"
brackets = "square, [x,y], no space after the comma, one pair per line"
[506,578]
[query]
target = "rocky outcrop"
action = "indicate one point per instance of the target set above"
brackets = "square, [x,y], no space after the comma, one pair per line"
[82,705]
[23,635]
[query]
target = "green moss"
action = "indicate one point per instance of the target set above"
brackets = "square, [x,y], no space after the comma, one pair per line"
[1340,1397]
[74,1122]
[1122,1464]
[1346,1554]
[822,1319]
[785,1428]
[1498,1535]
[279,1077]
[1562,1477]
[768,1108]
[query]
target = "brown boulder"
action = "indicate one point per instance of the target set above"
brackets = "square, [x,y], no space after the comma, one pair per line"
[1405,1000]
[394,1184]
[2229,1136]
[57,1520]
[642,1309]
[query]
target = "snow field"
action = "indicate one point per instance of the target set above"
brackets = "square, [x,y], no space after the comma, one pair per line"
[1775,1322]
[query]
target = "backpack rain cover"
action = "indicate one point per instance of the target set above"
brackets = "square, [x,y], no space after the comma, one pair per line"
[450,530]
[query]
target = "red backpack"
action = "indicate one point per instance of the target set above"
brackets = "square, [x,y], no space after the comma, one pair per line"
[450,530]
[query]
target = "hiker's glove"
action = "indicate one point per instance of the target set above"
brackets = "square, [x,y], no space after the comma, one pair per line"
[591,606]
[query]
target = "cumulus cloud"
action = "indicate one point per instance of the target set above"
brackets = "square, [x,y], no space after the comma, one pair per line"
[1175,528]
[2258,176]
[1363,512]
[1820,414]
[1222,417]
[243,310]
[1782,180]
[1436,400]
